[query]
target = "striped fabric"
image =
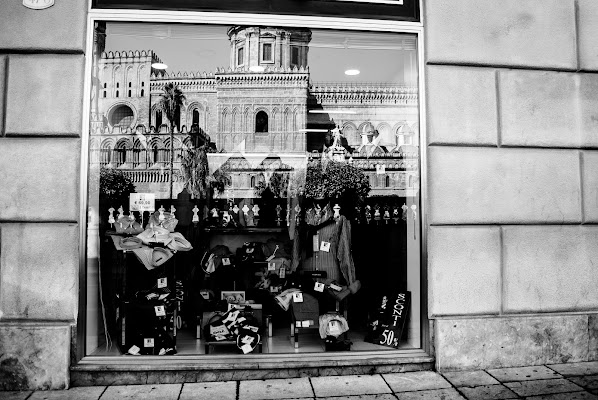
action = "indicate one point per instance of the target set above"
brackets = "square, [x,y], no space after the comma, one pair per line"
[337,262]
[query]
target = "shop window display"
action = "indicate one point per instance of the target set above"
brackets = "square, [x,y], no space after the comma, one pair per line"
[255,202]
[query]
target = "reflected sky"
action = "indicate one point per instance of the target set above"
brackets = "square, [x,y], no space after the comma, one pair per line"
[381,57]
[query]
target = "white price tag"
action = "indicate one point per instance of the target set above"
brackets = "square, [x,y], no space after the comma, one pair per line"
[226,261]
[325,246]
[205,295]
[246,348]
[334,328]
[247,339]
[298,297]
[162,283]
[319,287]
[232,316]
[142,202]
[160,311]
[271,266]
[148,342]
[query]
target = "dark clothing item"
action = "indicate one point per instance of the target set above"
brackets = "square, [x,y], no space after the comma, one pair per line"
[323,243]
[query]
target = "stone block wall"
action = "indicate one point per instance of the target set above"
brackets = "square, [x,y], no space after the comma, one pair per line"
[512,119]
[41,102]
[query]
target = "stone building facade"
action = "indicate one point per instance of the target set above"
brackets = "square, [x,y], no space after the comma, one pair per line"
[511,185]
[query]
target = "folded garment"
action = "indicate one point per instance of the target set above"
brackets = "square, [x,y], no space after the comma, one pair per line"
[332,324]
[155,234]
[179,243]
[284,298]
[152,257]
[308,309]
[130,243]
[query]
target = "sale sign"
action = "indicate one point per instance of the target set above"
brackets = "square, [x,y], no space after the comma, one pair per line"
[389,319]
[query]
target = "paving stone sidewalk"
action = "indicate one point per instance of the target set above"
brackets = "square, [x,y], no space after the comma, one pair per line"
[575,381]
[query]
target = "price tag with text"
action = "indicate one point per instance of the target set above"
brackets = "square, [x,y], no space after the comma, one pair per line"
[298,297]
[142,202]
[162,283]
[226,261]
[271,266]
[325,246]
[160,311]
[148,342]
[319,287]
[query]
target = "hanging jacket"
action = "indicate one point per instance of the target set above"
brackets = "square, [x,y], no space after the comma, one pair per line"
[337,261]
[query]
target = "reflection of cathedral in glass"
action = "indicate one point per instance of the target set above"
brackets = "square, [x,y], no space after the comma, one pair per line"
[264,102]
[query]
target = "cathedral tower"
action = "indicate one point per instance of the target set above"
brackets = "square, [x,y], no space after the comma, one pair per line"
[269,48]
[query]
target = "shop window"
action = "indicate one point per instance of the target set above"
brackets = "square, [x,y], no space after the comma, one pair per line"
[281,178]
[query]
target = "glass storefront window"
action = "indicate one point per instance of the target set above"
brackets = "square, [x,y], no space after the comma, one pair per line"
[256,189]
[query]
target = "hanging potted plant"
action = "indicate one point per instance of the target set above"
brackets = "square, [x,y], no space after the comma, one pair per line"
[340,182]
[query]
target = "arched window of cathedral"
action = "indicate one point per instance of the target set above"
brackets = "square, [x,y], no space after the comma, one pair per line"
[387,181]
[104,90]
[121,116]
[129,93]
[117,93]
[261,122]
[137,153]
[158,119]
[196,116]
[142,92]
[252,182]
[106,152]
[120,153]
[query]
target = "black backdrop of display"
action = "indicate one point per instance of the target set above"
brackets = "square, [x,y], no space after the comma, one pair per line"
[407,11]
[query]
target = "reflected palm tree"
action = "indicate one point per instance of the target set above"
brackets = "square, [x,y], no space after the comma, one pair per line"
[171,101]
